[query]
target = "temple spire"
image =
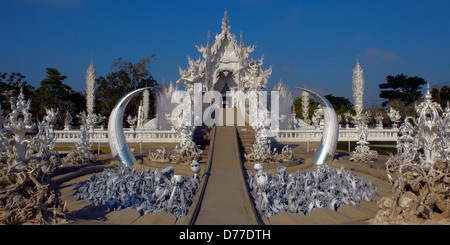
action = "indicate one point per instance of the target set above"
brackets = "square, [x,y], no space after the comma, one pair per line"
[208,45]
[428,96]
[241,41]
[358,88]
[225,23]
[90,88]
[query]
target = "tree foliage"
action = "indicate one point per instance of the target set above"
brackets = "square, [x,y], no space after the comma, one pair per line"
[441,95]
[340,104]
[127,77]
[53,93]
[402,87]
[10,85]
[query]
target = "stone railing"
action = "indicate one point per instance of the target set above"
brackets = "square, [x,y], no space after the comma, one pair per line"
[131,136]
[344,135]
[169,136]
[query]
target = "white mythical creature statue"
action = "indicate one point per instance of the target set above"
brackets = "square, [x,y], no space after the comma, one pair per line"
[19,123]
[68,121]
[420,172]
[187,150]
[44,141]
[305,107]
[255,79]
[394,116]
[362,151]
[262,150]
[379,120]
[82,154]
[193,73]
[26,191]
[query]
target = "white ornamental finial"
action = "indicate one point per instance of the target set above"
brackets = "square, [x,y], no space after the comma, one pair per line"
[358,88]
[428,96]
[225,23]
[90,88]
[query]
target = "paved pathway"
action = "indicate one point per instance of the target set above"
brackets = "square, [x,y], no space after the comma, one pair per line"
[225,201]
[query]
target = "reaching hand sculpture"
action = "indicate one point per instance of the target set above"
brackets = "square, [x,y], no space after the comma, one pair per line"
[301,192]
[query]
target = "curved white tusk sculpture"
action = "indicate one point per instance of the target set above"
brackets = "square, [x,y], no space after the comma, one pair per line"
[116,137]
[330,135]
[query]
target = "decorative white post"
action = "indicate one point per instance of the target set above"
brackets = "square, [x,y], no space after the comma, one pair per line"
[92,119]
[358,89]
[305,106]
[146,104]
[90,88]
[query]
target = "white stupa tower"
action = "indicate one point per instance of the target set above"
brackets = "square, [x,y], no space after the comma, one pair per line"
[90,88]
[358,88]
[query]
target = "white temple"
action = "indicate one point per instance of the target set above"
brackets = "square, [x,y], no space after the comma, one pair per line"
[225,65]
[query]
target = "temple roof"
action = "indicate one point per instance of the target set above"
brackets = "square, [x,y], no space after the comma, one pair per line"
[228,57]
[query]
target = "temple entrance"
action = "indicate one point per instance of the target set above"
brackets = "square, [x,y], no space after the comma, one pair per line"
[224,84]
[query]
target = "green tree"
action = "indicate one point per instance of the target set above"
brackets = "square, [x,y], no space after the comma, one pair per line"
[402,87]
[127,77]
[10,85]
[340,104]
[441,95]
[53,93]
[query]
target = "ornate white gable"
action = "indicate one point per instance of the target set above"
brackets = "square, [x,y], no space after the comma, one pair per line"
[225,62]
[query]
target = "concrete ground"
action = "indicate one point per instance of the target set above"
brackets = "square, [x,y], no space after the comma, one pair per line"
[83,213]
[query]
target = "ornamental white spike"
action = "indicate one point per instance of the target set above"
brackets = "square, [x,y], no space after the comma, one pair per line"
[116,137]
[330,136]
[358,88]
[90,88]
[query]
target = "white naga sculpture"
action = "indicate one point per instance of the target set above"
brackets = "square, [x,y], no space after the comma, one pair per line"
[420,172]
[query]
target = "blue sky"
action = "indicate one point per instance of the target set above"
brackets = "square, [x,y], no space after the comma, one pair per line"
[312,43]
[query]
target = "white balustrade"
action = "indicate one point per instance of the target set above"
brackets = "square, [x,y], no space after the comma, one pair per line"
[131,136]
[344,135]
[169,136]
